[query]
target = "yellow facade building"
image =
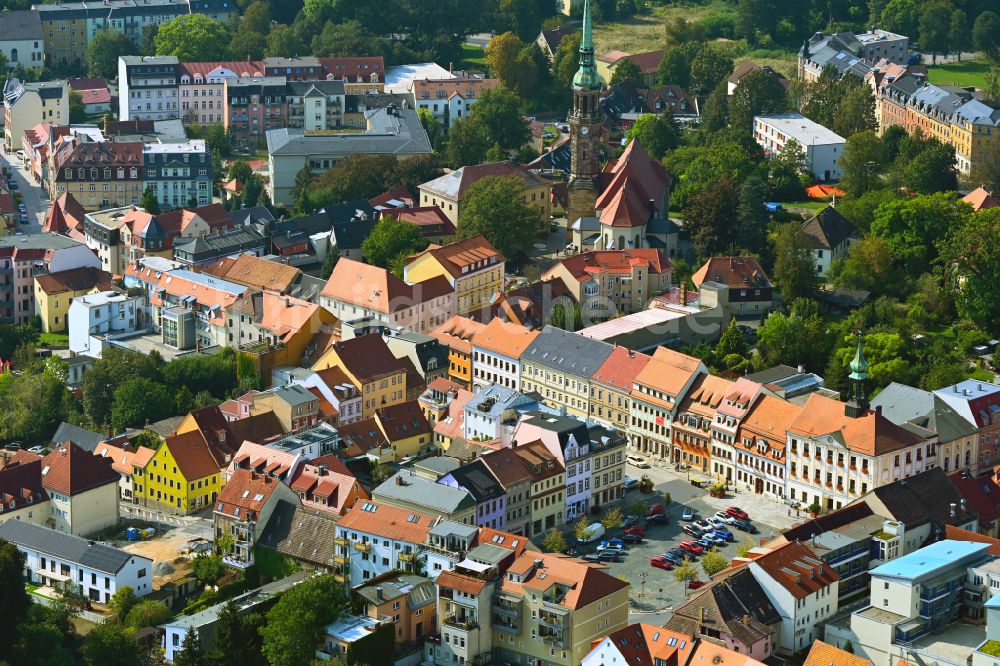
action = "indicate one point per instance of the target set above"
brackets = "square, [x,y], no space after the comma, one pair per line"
[377,375]
[55,291]
[182,477]
[473,267]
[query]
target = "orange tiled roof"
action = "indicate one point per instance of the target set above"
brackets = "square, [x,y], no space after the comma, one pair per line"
[508,339]
[388,522]
[824,654]
[980,198]
[587,583]
[474,253]
[796,568]
[457,333]
[192,456]
[378,289]
[246,491]
[251,271]
[621,368]
[871,434]
[584,266]
[456,581]
[668,371]
[69,470]
[735,272]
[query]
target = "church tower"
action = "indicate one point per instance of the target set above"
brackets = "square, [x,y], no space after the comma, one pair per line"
[585,128]
[857,405]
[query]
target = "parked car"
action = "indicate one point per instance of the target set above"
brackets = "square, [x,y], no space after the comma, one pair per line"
[596,531]
[687,514]
[706,542]
[691,547]
[591,557]
[636,529]
[704,525]
[724,533]
[631,521]
[683,554]
[637,461]
[661,562]
[655,508]
[632,537]
[36,449]
[12,184]
[660,518]
[714,539]
[695,584]
[613,544]
[737,512]
[725,517]
[610,556]
[745,526]
[693,530]
[715,521]
[674,557]
[631,483]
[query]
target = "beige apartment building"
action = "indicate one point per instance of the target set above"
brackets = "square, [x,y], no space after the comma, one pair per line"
[447,191]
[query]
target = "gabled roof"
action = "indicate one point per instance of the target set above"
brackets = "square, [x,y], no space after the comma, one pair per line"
[509,469]
[620,369]
[67,432]
[367,357]
[192,455]
[586,265]
[530,305]
[636,169]
[461,257]
[871,434]
[797,569]
[904,404]
[734,272]
[302,533]
[980,198]
[477,479]
[408,488]
[66,546]
[824,654]
[245,494]
[22,24]
[402,421]
[389,522]
[457,333]
[647,645]
[378,289]
[553,36]
[431,220]
[566,352]
[509,340]
[74,279]
[922,498]
[828,229]
[735,605]
[981,493]
[71,470]
[668,371]
[255,272]
[453,185]
[587,583]
[21,485]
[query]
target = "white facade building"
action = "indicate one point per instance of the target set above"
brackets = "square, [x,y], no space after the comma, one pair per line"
[376,538]
[62,560]
[147,88]
[95,318]
[821,148]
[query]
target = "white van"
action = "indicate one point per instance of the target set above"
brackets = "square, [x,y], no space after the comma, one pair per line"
[596,532]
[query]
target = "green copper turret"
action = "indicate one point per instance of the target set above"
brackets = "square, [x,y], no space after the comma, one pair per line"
[587,77]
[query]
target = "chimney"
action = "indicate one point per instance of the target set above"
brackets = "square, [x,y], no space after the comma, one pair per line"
[682,299]
[321,470]
[399,482]
[954,513]
[378,592]
[963,503]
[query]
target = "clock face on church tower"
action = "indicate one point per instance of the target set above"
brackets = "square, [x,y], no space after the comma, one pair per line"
[585,130]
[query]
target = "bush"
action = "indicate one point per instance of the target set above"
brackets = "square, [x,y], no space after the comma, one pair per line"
[815,507]
[207,568]
[645,484]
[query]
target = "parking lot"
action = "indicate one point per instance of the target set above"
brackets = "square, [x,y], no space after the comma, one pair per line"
[655,591]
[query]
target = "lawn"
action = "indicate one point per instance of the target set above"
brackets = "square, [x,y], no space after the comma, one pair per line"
[810,204]
[473,57]
[965,73]
[645,32]
[53,339]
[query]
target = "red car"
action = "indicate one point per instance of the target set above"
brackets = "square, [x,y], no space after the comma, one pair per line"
[661,563]
[637,530]
[691,547]
[737,512]
[695,584]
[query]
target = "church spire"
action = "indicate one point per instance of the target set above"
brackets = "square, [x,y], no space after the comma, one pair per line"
[857,404]
[587,77]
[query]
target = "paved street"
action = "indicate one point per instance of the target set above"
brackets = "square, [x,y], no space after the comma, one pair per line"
[34,197]
[198,525]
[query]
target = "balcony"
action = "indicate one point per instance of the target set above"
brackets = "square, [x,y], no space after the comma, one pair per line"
[340,542]
[363,546]
[341,558]
[339,577]
[506,608]
[406,556]
[551,621]
[464,623]
[239,117]
[554,640]
[506,627]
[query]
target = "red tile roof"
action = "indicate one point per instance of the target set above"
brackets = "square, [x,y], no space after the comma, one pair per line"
[388,522]
[982,493]
[958,534]
[87,84]
[456,581]
[457,333]
[637,170]
[587,583]
[239,67]
[734,272]
[461,257]
[193,458]
[584,266]
[21,484]
[824,654]
[980,198]
[620,369]
[75,279]
[797,568]
[367,357]
[431,220]
[247,491]
[353,67]
[69,470]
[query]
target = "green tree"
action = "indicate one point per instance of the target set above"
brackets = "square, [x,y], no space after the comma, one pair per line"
[122,601]
[855,112]
[715,112]
[901,17]
[566,60]
[103,52]
[581,529]
[434,128]
[300,191]
[794,267]
[708,217]
[731,342]
[751,216]
[934,23]
[347,39]
[283,42]
[680,31]
[554,541]
[14,601]
[149,202]
[624,70]
[468,142]
[710,67]
[494,207]
[391,242]
[358,176]
[745,545]
[913,227]
[332,257]
[685,571]
[870,265]
[612,518]
[959,33]
[932,169]
[33,405]
[147,40]
[147,613]
[713,562]
[757,93]
[193,38]
[110,644]
[656,133]
[232,639]
[77,111]
[638,507]
[971,267]
[862,162]
[675,68]
[986,34]
[190,653]
[512,63]
[380,472]
[500,113]
[248,44]
[207,568]
[294,624]
[256,18]
[139,400]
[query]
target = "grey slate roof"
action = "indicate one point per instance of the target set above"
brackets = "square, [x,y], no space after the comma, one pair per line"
[20,25]
[66,546]
[905,404]
[419,591]
[828,229]
[407,487]
[85,439]
[310,88]
[477,479]
[395,133]
[567,352]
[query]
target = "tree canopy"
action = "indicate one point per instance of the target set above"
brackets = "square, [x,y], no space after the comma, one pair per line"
[494,207]
[193,38]
[391,242]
